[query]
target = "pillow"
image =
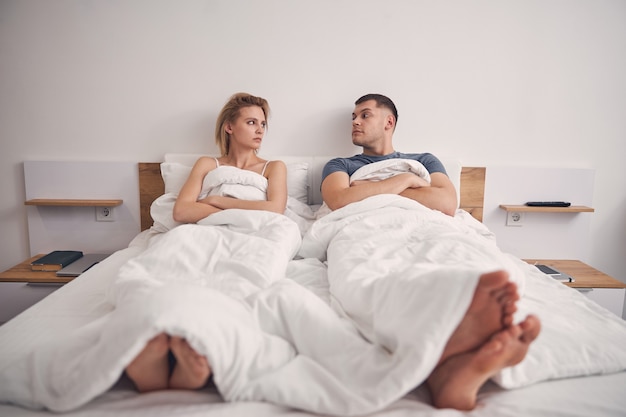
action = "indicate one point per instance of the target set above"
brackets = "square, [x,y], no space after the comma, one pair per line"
[175,174]
[298,181]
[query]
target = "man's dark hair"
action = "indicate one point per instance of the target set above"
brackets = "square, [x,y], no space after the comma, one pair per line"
[381,101]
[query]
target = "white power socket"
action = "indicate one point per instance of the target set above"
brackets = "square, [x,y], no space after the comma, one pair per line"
[514,218]
[105,214]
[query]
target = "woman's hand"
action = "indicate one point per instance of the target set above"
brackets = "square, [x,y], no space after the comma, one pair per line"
[212,200]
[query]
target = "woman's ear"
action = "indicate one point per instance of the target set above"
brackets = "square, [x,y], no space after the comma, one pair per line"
[228,128]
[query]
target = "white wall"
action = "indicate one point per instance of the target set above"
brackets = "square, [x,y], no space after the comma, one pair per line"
[76,228]
[528,82]
[540,235]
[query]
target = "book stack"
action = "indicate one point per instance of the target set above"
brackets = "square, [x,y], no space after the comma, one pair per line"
[56,260]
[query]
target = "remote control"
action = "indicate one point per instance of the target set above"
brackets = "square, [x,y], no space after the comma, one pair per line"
[548,204]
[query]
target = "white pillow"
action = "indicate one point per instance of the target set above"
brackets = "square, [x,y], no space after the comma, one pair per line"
[175,174]
[298,181]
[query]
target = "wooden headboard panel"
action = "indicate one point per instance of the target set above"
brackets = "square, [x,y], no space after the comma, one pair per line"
[151,186]
[473,191]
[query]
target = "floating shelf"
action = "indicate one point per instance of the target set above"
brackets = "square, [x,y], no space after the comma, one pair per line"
[570,209]
[73,202]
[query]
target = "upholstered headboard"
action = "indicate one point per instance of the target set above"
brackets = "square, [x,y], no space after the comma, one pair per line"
[304,179]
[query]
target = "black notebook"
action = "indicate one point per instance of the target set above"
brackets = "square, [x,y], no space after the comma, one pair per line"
[55,260]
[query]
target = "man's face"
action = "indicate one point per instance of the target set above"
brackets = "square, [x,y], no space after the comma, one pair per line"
[368,124]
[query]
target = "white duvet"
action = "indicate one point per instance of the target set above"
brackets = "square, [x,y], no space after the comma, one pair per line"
[380,286]
[405,274]
[266,337]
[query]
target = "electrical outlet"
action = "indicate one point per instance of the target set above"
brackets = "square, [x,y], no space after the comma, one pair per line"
[104,214]
[514,218]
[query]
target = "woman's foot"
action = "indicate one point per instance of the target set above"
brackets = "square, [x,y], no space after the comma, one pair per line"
[149,371]
[455,383]
[191,370]
[491,310]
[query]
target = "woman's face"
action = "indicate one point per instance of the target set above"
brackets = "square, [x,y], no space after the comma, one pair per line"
[249,128]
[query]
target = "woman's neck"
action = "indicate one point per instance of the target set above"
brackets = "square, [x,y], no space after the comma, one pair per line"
[242,159]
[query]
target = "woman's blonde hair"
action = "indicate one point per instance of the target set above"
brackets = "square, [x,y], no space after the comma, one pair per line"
[229,114]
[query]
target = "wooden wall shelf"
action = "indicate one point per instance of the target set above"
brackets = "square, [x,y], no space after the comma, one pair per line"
[570,209]
[73,202]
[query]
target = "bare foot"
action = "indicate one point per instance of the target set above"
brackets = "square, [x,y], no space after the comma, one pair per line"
[491,310]
[455,383]
[191,370]
[149,371]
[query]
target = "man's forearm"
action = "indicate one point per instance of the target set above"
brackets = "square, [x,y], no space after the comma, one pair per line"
[434,198]
[360,190]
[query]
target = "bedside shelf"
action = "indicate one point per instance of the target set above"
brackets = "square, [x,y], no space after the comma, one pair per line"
[570,209]
[73,202]
[23,273]
[584,275]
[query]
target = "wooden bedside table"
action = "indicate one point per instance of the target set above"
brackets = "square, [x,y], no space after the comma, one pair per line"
[598,286]
[23,273]
[21,287]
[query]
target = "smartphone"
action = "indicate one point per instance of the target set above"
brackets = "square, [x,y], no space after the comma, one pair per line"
[555,273]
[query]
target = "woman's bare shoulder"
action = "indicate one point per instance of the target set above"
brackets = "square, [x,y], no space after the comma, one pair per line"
[205,163]
[275,165]
[275,162]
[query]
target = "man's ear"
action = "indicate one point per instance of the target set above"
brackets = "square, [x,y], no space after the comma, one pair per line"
[390,123]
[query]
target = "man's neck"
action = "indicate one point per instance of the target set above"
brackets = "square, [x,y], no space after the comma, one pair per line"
[376,152]
[380,147]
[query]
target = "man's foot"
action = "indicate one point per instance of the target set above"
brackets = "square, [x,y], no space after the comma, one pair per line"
[455,383]
[149,371]
[191,370]
[491,310]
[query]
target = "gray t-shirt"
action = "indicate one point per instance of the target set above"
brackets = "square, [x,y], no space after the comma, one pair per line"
[350,165]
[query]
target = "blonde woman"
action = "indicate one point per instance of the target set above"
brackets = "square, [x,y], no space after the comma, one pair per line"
[169,362]
[239,133]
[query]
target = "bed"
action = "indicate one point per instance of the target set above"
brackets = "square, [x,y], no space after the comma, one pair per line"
[63,353]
